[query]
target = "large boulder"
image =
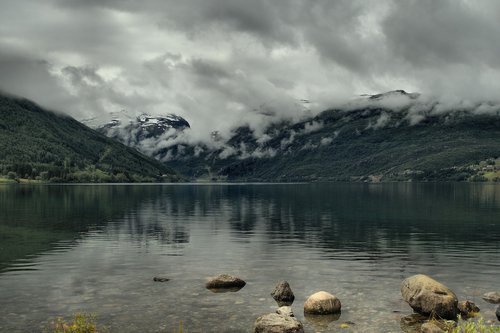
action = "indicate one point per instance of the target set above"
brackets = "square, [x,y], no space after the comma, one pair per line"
[283,294]
[225,281]
[467,308]
[427,296]
[492,297]
[322,303]
[498,313]
[276,323]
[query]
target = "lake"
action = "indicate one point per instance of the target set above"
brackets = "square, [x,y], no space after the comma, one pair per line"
[96,248]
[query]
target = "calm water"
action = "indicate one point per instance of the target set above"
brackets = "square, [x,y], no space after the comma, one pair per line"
[93,248]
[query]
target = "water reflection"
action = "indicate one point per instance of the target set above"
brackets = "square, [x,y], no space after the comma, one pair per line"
[98,247]
[374,219]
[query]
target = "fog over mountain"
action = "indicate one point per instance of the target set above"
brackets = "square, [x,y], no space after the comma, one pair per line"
[220,64]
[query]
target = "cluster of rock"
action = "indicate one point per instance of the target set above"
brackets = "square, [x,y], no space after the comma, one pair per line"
[433,300]
[320,304]
[436,305]
[493,298]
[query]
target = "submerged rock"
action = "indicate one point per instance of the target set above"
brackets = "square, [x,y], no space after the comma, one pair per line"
[419,323]
[276,323]
[412,323]
[320,322]
[467,308]
[160,279]
[427,296]
[430,328]
[492,297]
[225,281]
[283,294]
[322,303]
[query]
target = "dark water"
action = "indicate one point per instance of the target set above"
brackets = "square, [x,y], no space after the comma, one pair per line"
[96,249]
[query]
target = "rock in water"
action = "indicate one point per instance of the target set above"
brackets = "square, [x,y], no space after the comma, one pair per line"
[498,313]
[412,323]
[427,296]
[467,308]
[430,328]
[322,303]
[283,294]
[285,311]
[321,322]
[492,297]
[275,323]
[160,279]
[225,281]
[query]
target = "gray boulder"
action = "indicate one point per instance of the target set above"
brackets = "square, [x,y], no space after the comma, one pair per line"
[492,297]
[225,281]
[322,303]
[276,323]
[283,294]
[427,296]
[498,313]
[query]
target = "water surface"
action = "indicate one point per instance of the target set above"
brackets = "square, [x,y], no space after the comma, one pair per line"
[96,248]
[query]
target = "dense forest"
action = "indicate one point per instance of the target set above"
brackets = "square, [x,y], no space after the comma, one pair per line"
[40,145]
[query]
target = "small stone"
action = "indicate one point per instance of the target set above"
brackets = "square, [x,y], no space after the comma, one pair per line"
[160,279]
[467,308]
[430,328]
[283,294]
[285,311]
[225,281]
[275,323]
[492,297]
[322,303]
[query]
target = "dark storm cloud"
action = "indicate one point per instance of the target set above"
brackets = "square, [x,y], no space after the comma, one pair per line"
[31,78]
[435,33]
[221,63]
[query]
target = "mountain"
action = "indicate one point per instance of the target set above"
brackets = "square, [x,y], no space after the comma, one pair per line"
[391,136]
[145,132]
[40,144]
[145,126]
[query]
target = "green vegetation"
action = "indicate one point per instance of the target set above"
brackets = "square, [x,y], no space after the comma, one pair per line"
[36,144]
[471,326]
[344,147]
[81,323]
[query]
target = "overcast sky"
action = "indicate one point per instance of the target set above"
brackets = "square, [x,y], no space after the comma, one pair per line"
[221,62]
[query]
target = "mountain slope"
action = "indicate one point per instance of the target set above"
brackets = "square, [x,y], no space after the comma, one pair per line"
[35,143]
[368,143]
[144,128]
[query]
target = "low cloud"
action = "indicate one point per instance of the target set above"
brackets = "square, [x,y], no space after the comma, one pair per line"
[224,64]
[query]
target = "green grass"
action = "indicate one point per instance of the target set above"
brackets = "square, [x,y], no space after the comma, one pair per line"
[80,323]
[472,326]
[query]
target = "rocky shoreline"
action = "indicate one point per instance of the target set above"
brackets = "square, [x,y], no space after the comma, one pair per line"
[436,307]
